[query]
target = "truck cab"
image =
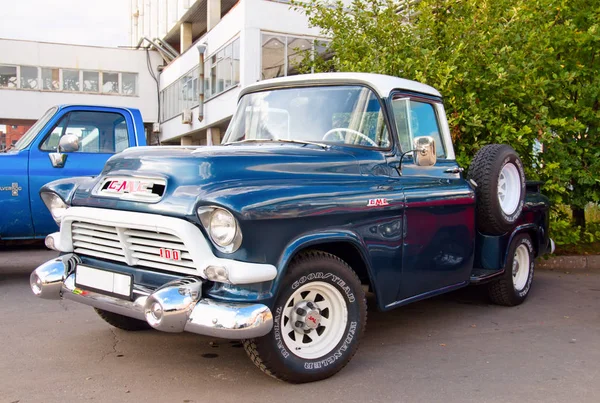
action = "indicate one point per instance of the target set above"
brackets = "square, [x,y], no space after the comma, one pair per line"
[96,133]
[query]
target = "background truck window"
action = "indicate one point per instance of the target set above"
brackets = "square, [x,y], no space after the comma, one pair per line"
[98,132]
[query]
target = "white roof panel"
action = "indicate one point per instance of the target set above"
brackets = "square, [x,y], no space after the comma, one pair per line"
[380,83]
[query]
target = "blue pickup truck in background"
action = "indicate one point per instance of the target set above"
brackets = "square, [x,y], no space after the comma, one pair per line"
[69,140]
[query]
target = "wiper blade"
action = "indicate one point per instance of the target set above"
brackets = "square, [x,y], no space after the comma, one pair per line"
[303,142]
[325,146]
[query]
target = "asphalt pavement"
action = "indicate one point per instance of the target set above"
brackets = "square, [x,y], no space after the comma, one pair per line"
[454,348]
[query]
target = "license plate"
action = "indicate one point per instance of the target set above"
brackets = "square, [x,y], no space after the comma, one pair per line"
[103,281]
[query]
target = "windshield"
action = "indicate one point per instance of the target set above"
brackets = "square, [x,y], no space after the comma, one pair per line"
[34,130]
[349,115]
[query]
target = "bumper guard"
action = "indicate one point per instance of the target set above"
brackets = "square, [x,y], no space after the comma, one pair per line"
[175,307]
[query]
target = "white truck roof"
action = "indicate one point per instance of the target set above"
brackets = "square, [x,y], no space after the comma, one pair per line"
[381,83]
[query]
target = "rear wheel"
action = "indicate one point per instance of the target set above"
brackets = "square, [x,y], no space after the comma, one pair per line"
[319,319]
[513,287]
[122,322]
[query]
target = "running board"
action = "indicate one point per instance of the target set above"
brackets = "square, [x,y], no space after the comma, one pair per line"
[480,276]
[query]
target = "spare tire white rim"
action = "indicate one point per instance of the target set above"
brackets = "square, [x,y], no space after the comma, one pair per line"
[520,269]
[314,320]
[509,188]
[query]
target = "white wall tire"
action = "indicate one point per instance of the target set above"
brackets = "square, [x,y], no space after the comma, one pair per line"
[319,318]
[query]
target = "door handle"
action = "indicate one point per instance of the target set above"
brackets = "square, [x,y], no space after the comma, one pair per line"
[455,170]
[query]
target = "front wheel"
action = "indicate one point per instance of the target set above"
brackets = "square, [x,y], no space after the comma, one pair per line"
[513,287]
[319,318]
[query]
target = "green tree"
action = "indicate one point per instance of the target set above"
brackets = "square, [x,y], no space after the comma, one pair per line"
[511,71]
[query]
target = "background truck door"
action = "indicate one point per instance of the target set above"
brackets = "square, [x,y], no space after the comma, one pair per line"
[101,131]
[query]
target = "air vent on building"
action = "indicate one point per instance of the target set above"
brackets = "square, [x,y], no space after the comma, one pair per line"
[186,116]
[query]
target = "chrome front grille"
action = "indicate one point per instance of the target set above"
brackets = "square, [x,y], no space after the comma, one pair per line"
[97,240]
[131,246]
[145,250]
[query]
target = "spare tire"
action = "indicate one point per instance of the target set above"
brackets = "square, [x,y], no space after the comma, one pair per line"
[499,179]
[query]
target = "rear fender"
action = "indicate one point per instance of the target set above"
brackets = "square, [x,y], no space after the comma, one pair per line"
[491,252]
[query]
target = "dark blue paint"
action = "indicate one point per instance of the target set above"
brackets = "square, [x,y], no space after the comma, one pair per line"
[26,216]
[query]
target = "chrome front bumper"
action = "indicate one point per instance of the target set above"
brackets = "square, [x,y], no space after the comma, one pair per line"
[175,307]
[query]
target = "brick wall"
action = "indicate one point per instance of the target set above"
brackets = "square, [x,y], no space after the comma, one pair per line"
[12,135]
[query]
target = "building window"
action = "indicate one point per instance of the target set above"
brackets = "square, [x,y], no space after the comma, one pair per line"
[57,79]
[273,56]
[182,94]
[29,77]
[70,80]
[223,69]
[282,55]
[90,81]
[110,82]
[297,50]
[50,79]
[129,83]
[8,76]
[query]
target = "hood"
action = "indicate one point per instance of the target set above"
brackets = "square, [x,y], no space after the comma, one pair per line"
[212,173]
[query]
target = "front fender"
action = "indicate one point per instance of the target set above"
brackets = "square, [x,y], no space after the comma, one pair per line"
[65,188]
[313,240]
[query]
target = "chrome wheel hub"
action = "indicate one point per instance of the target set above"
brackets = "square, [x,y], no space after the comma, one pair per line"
[306,316]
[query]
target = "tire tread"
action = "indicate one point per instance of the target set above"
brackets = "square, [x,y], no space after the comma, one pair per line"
[482,172]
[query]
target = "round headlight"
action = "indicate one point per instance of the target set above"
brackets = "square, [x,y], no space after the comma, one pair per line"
[55,204]
[222,227]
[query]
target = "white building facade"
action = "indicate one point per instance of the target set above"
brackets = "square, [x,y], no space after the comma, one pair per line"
[35,76]
[237,42]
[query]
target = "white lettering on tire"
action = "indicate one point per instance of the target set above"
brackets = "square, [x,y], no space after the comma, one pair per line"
[525,289]
[277,333]
[326,276]
[337,354]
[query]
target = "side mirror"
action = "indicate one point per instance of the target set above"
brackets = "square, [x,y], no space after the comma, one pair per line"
[67,144]
[424,153]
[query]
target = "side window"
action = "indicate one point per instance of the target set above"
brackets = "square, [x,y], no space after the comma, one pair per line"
[98,132]
[416,119]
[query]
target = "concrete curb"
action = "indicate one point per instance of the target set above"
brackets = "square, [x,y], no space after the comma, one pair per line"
[578,262]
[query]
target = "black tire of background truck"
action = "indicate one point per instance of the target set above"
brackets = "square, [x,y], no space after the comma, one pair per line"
[503,291]
[123,322]
[271,354]
[485,171]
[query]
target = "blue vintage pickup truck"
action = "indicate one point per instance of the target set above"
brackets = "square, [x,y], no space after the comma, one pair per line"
[325,187]
[69,140]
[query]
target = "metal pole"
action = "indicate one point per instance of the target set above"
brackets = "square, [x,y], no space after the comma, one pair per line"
[201,49]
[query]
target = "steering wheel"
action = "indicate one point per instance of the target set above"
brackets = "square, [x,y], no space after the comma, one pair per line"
[356,133]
